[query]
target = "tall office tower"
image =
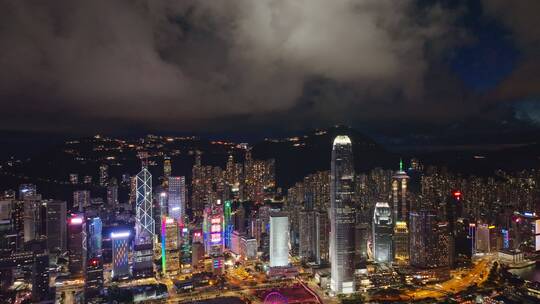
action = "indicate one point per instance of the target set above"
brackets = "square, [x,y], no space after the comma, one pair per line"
[279,240]
[421,225]
[445,246]
[198,186]
[161,212]
[401,243]
[7,238]
[177,198]
[144,225]
[363,232]
[163,201]
[248,175]
[399,195]
[120,254]
[17,220]
[213,229]
[342,216]
[454,209]
[133,192]
[81,200]
[170,258]
[76,242]
[185,248]
[93,259]
[240,219]
[230,170]
[56,226]
[112,195]
[94,227]
[103,175]
[40,278]
[255,229]
[482,238]
[429,241]
[322,222]
[167,168]
[34,221]
[382,233]
[309,238]
[27,191]
[227,223]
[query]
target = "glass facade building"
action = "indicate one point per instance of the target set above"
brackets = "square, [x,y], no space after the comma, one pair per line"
[342,216]
[177,198]
[120,251]
[279,240]
[382,233]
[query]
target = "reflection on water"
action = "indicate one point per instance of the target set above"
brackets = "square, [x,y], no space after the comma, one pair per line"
[529,273]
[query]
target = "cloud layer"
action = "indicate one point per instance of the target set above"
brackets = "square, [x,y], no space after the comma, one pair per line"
[186,65]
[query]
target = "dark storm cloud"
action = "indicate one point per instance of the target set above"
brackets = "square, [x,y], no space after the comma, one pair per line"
[191,65]
[521,17]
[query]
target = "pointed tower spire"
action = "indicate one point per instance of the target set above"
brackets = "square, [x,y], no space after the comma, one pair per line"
[400,164]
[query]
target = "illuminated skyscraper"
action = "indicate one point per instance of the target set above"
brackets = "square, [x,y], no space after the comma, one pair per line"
[213,229]
[177,198]
[34,221]
[56,226]
[161,212]
[40,278]
[93,260]
[103,175]
[170,246]
[401,243]
[482,238]
[454,209]
[279,240]
[228,223]
[76,243]
[144,225]
[198,195]
[93,237]
[120,251]
[399,195]
[382,233]
[133,192]
[342,216]
[430,245]
[81,200]
[17,221]
[167,168]
[112,195]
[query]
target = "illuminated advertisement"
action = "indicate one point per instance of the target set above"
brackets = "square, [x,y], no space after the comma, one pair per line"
[537,235]
[215,228]
[215,238]
[506,238]
[215,231]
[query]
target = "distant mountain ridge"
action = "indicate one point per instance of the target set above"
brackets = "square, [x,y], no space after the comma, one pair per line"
[299,156]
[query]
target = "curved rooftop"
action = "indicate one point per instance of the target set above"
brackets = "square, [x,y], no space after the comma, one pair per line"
[342,140]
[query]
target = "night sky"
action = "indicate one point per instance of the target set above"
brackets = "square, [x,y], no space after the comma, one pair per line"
[402,70]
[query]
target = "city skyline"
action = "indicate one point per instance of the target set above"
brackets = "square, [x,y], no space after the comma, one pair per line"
[337,234]
[270,151]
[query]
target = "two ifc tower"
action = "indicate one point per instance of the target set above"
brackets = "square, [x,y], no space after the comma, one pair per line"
[343,218]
